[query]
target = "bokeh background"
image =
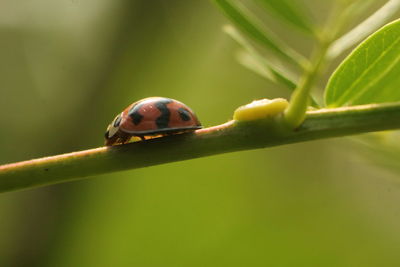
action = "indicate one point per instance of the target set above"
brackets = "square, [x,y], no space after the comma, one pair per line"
[68,67]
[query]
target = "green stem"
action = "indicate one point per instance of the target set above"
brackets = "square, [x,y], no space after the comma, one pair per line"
[228,137]
[300,100]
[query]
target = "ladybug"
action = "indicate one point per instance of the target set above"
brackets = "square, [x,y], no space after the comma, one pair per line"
[151,116]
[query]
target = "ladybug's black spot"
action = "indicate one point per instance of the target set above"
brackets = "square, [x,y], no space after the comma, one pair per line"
[135,115]
[136,118]
[163,120]
[184,114]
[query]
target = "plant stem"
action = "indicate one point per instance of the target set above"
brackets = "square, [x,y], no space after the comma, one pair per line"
[296,111]
[228,137]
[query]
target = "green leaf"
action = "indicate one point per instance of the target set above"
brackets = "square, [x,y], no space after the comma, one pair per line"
[259,66]
[371,73]
[250,25]
[256,62]
[265,67]
[290,11]
[365,28]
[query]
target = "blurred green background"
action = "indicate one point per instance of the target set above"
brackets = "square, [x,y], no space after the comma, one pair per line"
[68,67]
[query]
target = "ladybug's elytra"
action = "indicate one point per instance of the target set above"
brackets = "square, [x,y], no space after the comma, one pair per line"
[151,116]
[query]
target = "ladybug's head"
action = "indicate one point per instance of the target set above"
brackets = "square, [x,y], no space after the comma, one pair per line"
[113,128]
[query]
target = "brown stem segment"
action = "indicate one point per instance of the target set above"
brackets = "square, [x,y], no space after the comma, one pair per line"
[228,137]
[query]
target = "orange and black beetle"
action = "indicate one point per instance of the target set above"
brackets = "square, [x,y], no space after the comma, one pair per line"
[151,116]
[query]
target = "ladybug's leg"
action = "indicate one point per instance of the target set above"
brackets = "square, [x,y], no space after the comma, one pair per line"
[124,138]
[111,141]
